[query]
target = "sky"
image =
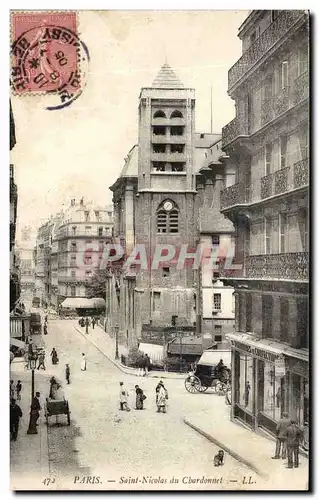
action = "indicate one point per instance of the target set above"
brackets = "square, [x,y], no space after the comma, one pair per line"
[79,150]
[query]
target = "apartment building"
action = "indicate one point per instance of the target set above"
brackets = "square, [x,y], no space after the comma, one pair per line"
[268,148]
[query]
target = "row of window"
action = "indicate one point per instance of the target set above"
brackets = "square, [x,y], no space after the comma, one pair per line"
[168,148]
[277,154]
[101,231]
[162,166]
[245,317]
[174,130]
[97,215]
[161,114]
[284,233]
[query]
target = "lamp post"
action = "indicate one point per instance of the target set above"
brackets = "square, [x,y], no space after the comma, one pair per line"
[32,422]
[116,341]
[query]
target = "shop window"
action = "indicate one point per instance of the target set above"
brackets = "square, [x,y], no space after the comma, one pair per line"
[217,301]
[267,322]
[244,394]
[156,301]
[271,388]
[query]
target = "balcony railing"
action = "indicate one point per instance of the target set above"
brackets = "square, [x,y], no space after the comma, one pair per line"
[263,44]
[237,194]
[285,180]
[273,107]
[290,266]
[301,88]
[236,128]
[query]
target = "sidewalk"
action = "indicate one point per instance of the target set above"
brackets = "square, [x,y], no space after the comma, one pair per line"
[29,463]
[249,448]
[106,345]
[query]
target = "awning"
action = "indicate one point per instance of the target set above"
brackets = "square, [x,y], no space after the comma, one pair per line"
[83,303]
[17,343]
[271,346]
[154,351]
[212,357]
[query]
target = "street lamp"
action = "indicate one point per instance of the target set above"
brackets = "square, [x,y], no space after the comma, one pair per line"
[116,341]
[32,422]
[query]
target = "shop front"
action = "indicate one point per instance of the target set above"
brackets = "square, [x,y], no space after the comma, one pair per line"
[298,382]
[259,381]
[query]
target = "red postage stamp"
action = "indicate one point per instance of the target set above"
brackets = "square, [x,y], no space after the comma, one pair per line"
[46,54]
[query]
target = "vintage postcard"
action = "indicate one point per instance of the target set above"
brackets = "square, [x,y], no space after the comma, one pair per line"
[159,234]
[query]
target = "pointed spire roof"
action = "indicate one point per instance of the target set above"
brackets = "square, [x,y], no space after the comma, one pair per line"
[167,79]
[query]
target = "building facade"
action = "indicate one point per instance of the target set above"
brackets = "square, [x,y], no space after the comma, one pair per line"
[25,249]
[268,148]
[157,201]
[14,274]
[78,247]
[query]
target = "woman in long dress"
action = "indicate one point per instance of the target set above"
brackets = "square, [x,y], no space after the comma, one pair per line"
[54,356]
[83,362]
[139,398]
[53,388]
[161,399]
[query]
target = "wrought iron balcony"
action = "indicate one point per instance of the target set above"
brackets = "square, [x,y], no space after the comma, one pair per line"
[285,180]
[275,32]
[236,128]
[301,173]
[301,88]
[290,266]
[234,195]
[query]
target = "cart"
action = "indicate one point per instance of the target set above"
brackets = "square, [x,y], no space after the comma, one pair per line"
[206,376]
[57,407]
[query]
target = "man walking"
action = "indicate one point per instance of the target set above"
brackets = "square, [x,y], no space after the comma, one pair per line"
[93,322]
[294,437]
[67,373]
[15,415]
[18,390]
[281,436]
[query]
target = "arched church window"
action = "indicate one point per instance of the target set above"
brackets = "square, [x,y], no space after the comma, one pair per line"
[167,217]
[176,114]
[159,114]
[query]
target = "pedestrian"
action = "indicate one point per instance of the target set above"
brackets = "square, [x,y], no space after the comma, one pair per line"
[83,362]
[18,390]
[294,436]
[54,356]
[36,407]
[281,428]
[87,324]
[246,393]
[15,415]
[11,389]
[93,322]
[123,397]
[26,361]
[53,388]
[67,373]
[41,360]
[161,397]
[147,364]
[140,397]
[45,329]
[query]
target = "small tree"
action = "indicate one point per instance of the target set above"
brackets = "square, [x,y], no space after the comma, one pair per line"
[96,285]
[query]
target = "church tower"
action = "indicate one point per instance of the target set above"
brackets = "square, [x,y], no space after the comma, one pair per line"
[165,208]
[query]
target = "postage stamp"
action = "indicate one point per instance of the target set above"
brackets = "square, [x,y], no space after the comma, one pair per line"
[47,55]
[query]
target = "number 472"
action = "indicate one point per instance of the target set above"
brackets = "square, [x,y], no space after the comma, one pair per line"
[48,481]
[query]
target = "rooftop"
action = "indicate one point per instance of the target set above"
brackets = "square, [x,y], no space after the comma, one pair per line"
[167,79]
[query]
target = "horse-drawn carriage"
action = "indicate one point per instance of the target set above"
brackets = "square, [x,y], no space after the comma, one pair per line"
[210,373]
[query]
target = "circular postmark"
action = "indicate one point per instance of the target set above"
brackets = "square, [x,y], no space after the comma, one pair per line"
[52,60]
